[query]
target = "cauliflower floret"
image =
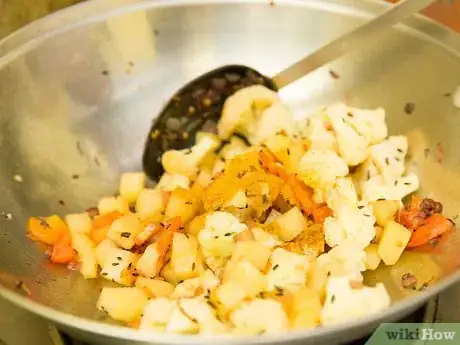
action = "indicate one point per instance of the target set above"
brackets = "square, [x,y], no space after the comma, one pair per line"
[274,119]
[376,188]
[169,182]
[288,270]
[344,303]
[343,191]
[181,323]
[320,138]
[320,168]
[200,286]
[235,147]
[185,162]
[242,109]
[350,222]
[260,316]
[156,314]
[347,259]
[216,238]
[198,309]
[388,157]
[370,123]
[352,147]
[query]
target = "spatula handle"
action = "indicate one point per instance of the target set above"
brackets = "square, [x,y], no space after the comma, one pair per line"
[350,41]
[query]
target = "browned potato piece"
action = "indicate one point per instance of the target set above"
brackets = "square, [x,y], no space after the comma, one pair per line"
[286,151]
[183,204]
[285,200]
[290,224]
[184,256]
[311,240]
[252,251]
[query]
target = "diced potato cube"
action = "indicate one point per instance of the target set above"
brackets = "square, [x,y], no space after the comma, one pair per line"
[267,239]
[183,204]
[247,276]
[131,185]
[150,205]
[196,225]
[229,295]
[155,287]
[394,239]
[384,210]
[289,225]
[305,309]
[119,267]
[79,223]
[373,258]
[286,151]
[86,255]
[124,230]
[255,252]
[378,234]
[123,304]
[167,273]
[105,250]
[317,278]
[184,256]
[147,264]
[111,204]
[272,216]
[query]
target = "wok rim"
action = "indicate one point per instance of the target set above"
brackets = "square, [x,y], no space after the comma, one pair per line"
[27,37]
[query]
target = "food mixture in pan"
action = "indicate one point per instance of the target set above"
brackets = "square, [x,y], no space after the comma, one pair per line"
[260,238]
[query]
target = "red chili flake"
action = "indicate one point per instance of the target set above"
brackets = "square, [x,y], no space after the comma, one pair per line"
[439,153]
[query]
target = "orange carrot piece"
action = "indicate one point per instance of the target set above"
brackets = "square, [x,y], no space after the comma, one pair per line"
[63,252]
[149,231]
[321,213]
[411,217]
[46,230]
[165,240]
[134,324]
[303,193]
[106,219]
[433,227]
[97,235]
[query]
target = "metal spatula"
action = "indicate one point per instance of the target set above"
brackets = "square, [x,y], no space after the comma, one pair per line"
[197,106]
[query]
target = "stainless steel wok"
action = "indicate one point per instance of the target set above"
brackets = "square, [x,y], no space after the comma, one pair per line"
[79,89]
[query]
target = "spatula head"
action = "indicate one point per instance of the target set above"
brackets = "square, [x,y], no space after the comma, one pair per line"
[196,107]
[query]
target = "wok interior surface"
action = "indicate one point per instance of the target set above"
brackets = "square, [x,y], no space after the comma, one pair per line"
[76,106]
